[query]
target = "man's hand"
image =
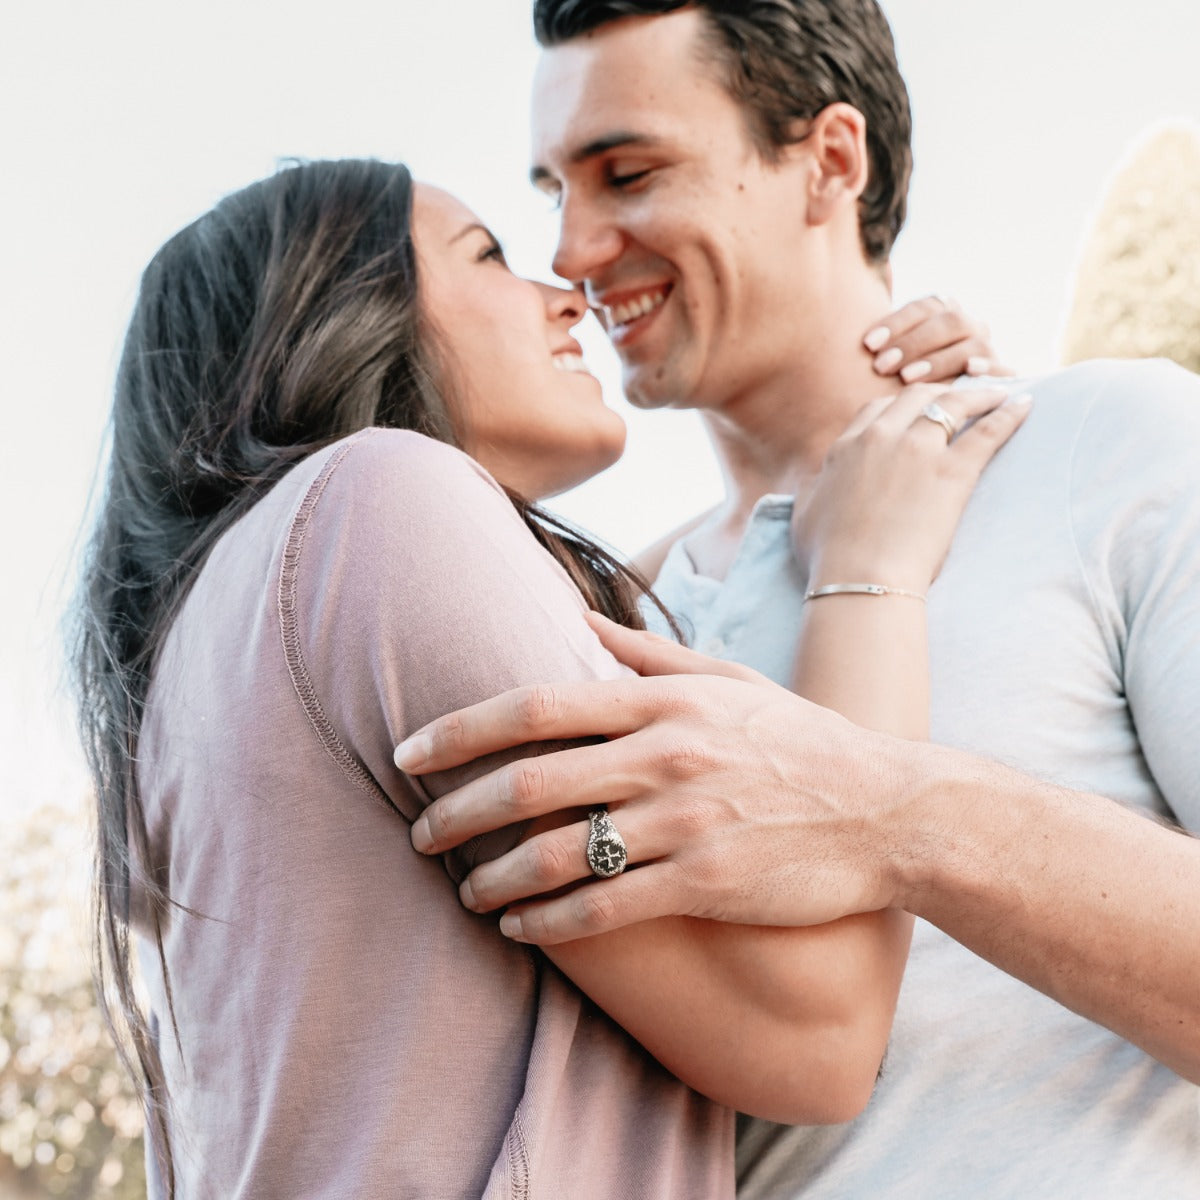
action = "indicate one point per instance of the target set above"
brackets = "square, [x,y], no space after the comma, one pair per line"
[737,800]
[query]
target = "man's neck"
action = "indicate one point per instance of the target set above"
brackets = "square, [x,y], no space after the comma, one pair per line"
[773,439]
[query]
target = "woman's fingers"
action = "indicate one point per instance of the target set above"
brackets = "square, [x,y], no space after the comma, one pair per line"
[915,332]
[961,405]
[982,364]
[904,320]
[948,362]
[932,340]
[868,415]
[978,444]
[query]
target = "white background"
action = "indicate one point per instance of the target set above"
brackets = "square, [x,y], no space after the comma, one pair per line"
[121,122]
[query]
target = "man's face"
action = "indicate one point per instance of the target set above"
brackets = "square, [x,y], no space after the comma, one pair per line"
[694,250]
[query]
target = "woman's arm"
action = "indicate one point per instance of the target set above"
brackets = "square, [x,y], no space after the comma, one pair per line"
[423,592]
[756,1016]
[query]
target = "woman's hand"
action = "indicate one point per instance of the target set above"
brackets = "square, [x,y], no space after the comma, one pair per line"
[885,505]
[932,340]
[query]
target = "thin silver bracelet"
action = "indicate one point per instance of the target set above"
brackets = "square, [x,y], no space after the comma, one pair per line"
[861,589]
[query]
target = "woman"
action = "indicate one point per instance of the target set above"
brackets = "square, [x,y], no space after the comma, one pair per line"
[296,566]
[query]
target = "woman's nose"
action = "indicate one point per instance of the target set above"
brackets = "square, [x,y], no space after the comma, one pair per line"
[564,304]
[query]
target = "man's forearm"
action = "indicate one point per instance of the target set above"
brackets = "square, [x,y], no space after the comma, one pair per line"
[1090,903]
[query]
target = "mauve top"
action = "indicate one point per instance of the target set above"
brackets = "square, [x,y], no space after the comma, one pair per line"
[346,1028]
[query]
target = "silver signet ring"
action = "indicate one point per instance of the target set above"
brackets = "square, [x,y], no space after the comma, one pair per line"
[606,853]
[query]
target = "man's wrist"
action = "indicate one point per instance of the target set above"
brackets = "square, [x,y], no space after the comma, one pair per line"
[919,831]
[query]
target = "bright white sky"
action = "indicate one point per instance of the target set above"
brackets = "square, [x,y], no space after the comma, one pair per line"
[123,121]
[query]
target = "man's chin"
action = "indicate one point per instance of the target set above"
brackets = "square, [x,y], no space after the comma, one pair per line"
[650,387]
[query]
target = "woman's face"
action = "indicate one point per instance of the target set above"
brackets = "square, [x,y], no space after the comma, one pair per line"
[524,405]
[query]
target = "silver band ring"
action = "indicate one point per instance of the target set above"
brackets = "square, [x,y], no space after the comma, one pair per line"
[939,416]
[606,853]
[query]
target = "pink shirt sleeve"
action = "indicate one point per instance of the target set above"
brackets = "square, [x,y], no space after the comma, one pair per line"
[411,587]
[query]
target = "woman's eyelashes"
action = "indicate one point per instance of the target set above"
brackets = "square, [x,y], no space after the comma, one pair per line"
[493,252]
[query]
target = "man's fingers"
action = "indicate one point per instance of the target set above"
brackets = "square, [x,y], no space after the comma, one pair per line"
[649,654]
[558,857]
[599,907]
[582,776]
[544,863]
[538,713]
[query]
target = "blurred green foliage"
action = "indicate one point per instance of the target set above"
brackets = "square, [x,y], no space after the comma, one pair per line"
[70,1124]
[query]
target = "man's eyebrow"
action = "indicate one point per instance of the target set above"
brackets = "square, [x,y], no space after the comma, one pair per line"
[540,176]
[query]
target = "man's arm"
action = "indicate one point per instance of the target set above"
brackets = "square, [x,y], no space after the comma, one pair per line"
[810,819]
[799,817]
[1092,904]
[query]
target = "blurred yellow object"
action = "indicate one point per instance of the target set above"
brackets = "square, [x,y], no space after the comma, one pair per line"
[1137,288]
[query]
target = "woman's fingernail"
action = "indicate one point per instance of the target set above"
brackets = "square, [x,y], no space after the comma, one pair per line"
[420,836]
[413,752]
[510,926]
[877,338]
[915,371]
[889,359]
[467,894]
[1024,400]
[978,365]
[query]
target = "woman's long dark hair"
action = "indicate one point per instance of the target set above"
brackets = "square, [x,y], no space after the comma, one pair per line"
[284,319]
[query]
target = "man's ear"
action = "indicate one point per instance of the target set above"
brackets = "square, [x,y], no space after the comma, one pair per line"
[837,146]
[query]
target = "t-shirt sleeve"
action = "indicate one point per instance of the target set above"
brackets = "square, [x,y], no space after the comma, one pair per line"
[1136,488]
[412,588]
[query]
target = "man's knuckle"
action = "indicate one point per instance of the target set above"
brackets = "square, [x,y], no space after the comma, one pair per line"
[549,862]
[447,734]
[484,890]
[525,785]
[536,706]
[537,925]
[686,758]
[596,908]
[440,819]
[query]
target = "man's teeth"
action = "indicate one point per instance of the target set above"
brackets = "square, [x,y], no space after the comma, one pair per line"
[622,314]
[570,362]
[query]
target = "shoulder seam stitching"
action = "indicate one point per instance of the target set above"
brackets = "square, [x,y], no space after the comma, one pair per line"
[1093,600]
[289,628]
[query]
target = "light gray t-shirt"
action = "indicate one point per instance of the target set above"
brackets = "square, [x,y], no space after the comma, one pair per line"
[347,1028]
[1065,641]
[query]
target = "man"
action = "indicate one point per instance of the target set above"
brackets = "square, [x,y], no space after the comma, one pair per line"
[731,179]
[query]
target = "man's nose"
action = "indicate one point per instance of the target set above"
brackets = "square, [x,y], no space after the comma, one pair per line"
[587,242]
